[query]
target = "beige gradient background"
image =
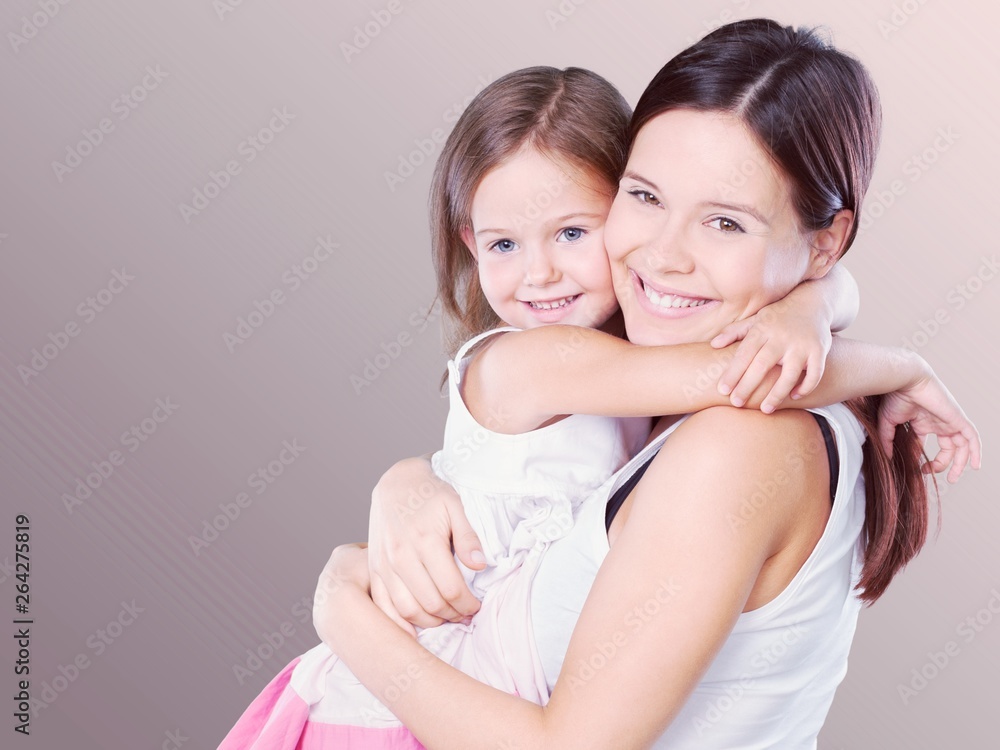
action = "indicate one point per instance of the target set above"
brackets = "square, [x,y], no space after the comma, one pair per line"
[170,672]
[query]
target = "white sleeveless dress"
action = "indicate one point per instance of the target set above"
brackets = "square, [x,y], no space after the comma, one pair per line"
[773,681]
[520,493]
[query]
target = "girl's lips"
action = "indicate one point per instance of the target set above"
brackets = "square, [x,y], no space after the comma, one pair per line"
[554,314]
[667,312]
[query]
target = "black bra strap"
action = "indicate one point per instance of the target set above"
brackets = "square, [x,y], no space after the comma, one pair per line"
[618,498]
[615,503]
[831,453]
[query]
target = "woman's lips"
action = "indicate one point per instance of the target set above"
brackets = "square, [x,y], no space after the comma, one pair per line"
[668,303]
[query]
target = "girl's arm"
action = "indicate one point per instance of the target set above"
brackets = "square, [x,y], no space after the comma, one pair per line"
[658,613]
[525,378]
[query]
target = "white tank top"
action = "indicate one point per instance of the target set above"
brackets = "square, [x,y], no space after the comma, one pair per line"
[773,681]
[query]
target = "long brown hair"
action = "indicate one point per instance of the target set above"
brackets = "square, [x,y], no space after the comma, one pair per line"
[816,112]
[572,114]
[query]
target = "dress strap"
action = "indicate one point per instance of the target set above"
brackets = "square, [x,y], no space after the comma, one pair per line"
[460,355]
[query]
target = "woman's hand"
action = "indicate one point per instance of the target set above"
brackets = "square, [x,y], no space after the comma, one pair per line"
[930,409]
[344,572]
[414,576]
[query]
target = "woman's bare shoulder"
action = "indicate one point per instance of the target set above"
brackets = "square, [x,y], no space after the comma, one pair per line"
[725,462]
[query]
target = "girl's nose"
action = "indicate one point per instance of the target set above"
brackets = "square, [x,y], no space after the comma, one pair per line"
[539,269]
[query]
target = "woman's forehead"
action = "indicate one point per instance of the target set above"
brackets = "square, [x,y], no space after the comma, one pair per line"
[706,155]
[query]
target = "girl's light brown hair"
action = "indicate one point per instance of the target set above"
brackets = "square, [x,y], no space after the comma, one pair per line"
[573,115]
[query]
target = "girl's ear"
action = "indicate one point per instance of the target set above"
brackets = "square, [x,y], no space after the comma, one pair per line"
[470,242]
[828,244]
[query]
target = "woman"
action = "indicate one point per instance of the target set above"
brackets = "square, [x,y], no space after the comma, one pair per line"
[727,570]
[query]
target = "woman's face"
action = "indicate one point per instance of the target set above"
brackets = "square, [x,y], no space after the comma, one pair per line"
[702,231]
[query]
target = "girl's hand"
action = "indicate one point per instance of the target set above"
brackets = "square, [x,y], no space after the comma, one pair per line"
[780,334]
[414,576]
[931,410]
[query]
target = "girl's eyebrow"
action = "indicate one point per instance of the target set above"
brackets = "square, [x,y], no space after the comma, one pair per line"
[560,220]
[579,215]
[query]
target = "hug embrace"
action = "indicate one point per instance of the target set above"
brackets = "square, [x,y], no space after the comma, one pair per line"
[612,549]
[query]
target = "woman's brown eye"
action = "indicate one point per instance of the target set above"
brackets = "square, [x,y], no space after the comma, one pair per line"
[649,198]
[728,225]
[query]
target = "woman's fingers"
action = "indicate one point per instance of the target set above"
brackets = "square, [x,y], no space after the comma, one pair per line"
[380,595]
[944,455]
[961,461]
[886,432]
[970,433]
[457,601]
[425,590]
[409,608]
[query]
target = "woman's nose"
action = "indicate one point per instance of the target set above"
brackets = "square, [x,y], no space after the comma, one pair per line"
[668,250]
[539,270]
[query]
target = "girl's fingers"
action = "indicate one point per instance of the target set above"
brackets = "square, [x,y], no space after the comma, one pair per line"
[752,378]
[815,366]
[779,391]
[744,355]
[732,332]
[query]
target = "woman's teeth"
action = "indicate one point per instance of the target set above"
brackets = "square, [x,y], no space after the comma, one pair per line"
[554,304]
[671,300]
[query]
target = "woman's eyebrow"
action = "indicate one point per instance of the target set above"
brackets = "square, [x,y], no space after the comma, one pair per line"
[638,177]
[742,209]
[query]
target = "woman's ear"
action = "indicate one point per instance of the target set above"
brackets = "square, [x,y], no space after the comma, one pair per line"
[470,242]
[828,244]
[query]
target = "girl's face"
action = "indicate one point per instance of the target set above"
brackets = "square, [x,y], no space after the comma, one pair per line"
[702,231]
[538,238]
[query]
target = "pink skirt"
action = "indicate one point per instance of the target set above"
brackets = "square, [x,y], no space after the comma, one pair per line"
[278,719]
[316,702]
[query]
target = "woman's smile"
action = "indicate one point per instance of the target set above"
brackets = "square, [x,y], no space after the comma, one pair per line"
[667,302]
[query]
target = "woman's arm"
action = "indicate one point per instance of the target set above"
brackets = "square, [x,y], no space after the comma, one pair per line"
[414,514]
[670,558]
[414,578]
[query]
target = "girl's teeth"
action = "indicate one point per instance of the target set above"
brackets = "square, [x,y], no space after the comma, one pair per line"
[671,300]
[553,305]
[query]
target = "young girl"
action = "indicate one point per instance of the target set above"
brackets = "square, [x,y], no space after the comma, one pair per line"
[519,199]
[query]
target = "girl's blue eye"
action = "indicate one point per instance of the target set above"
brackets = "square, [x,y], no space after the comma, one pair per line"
[504,246]
[572,234]
[727,225]
[644,196]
